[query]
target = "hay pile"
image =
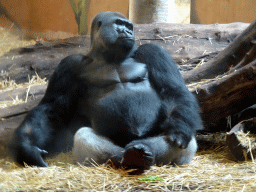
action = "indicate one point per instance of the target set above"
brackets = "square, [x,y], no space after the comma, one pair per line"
[9,41]
[209,171]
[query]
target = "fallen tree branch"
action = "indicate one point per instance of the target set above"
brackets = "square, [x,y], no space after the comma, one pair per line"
[228,95]
[227,59]
[240,141]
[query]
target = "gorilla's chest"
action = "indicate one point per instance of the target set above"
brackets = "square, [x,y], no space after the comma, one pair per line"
[112,83]
[101,74]
[120,99]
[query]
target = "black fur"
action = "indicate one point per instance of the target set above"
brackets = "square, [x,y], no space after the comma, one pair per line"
[133,99]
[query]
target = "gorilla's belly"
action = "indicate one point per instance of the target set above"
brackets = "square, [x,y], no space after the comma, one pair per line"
[125,113]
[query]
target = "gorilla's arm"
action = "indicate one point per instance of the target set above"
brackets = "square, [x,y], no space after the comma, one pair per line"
[36,135]
[180,111]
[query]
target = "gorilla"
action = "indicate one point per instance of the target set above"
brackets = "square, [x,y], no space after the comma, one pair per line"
[120,103]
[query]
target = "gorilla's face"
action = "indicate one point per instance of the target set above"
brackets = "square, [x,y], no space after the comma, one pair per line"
[112,31]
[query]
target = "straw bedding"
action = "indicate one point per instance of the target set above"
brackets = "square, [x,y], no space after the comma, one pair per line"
[210,170]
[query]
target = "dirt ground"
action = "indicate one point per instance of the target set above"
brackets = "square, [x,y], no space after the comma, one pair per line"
[211,170]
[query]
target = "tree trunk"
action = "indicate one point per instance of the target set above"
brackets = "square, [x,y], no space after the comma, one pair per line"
[227,95]
[241,140]
[238,53]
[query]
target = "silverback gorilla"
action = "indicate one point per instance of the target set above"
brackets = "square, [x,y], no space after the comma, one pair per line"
[129,104]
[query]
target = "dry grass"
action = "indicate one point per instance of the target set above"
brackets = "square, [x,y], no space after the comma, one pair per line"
[6,85]
[209,171]
[248,143]
[247,139]
[9,41]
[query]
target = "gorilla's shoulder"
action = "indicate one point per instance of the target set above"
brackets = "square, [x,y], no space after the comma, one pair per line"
[71,65]
[75,59]
[149,48]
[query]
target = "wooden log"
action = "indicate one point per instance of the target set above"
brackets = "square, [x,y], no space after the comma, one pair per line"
[24,93]
[241,142]
[209,141]
[11,117]
[234,53]
[18,109]
[186,41]
[228,95]
[8,126]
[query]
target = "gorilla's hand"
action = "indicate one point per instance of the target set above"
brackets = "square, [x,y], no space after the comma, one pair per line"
[39,161]
[179,138]
[32,156]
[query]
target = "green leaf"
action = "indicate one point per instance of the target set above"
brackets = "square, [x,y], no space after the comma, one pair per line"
[151,178]
[74,7]
[81,14]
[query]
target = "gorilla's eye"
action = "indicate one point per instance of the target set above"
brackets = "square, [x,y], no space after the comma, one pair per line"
[129,26]
[125,23]
[99,24]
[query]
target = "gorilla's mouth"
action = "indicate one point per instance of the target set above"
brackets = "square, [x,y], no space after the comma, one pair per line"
[125,38]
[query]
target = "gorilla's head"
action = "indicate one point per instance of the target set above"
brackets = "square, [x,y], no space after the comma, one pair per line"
[112,32]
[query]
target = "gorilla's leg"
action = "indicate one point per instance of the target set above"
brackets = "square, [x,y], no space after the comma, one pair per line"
[89,147]
[141,154]
[183,156]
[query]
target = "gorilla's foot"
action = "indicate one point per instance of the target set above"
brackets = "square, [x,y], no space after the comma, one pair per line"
[138,157]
